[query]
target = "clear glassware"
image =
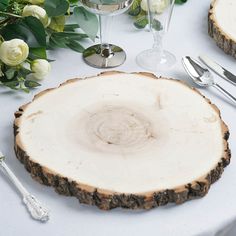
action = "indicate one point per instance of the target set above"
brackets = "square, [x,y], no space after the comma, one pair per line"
[159,16]
[105,55]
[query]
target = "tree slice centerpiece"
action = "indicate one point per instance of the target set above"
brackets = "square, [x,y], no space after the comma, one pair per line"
[123,140]
[221,24]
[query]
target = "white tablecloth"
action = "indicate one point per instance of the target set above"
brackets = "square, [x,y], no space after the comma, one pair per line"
[211,215]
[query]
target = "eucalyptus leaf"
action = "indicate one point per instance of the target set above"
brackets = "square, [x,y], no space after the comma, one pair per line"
[56,7]
[87,21]
[29,29]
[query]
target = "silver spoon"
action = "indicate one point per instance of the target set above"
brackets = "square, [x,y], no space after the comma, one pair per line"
[35,208]
[202,76]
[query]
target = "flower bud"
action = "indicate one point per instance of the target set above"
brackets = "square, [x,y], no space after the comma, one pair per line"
[38,12]
[157,6]
[13,52]
[40,68]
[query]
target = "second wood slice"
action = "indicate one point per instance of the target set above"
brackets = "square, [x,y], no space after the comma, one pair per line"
[123,140]
[221,24]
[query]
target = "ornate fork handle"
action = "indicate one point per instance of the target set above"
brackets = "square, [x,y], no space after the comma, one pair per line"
[37,211]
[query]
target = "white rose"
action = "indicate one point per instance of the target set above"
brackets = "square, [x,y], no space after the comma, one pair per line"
[40,68]
[36,1]
[157,6]
[38,12]
[14,52]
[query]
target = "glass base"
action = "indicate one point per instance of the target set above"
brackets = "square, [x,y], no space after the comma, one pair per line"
[152,60]
[104,57]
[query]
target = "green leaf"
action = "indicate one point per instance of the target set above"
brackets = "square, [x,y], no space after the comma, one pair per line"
[141,22]
[68,35]
[12,84]
[10,73]
[135,12]
[4,4]
[75,46]
[31,84]
[180,1]
[87,21]
[37,53]
[73,1]
[156,25]
[71,27]
[23,72]
[135,8]
[29,29]
[56,7]
[56,43]
[57,23]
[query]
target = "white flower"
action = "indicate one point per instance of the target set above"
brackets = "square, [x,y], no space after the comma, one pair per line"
[41,68]
[38,12]
[14,52]
[36,1]
[157,6]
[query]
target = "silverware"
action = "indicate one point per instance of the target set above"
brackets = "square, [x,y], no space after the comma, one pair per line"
[37,211]
[221,71]
[202,76]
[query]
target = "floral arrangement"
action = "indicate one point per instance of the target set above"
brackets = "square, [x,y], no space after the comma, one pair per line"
[30,27]
[139,11]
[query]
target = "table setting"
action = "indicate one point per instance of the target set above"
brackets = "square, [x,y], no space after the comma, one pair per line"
[122,114]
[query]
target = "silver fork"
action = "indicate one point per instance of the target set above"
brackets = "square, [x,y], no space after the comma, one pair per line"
[36,210]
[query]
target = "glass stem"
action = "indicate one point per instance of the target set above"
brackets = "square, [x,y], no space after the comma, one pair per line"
[104,35]
[157,45]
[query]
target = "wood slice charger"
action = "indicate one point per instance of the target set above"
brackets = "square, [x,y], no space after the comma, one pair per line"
[221,24]
[123,140]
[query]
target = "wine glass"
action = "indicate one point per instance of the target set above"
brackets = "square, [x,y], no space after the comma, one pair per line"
[105,55]
[159,16]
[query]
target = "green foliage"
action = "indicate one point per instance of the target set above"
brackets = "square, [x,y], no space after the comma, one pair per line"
[31,84]
[37,53]
[56,7]
[29,29]
[87,21]
[67,40]
[74,45]
[156,25]
[4,4]
[180,1]
[135,9]
[141,22]
[140,16]
[73,1]
[58,23]
[15,78]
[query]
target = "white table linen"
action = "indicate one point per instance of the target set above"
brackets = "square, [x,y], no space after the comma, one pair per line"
[212,215]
